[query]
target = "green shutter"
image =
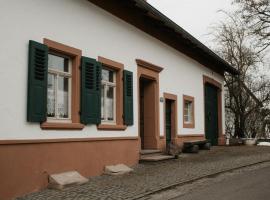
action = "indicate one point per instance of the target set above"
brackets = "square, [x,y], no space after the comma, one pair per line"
[90,91]
[128,97]
[37,82]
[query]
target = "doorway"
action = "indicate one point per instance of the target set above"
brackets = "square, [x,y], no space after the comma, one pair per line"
[148,113]
[170,118]
[211,113]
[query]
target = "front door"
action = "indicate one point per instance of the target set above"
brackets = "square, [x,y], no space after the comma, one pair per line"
[168,121]
[211,113]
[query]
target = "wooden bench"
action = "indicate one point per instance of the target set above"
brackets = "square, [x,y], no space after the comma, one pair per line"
[195,145]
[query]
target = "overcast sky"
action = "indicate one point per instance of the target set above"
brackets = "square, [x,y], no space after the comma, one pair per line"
[195,16]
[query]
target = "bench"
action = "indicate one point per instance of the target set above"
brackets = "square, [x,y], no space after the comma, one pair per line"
[195,145]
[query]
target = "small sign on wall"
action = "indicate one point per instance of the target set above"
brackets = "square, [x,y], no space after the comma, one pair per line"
[161,99]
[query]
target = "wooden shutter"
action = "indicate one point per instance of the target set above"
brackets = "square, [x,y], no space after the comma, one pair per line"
[128,97]
[90,91]
[37,82]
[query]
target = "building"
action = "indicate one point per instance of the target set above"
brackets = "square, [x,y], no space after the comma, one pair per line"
[90,83]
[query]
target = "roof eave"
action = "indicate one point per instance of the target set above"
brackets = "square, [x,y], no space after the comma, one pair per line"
[145,17]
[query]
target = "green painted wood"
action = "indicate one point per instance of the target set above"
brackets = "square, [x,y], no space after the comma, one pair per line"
[168,121]
[37,82]
[128,98]
[141,106]
[211,114]
[90,91]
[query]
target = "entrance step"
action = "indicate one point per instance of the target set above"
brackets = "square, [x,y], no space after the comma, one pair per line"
[155,157]
[149,151]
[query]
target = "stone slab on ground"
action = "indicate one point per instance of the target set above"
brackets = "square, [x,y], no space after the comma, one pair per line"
[61,180]
[152,176]
[155,158]
[149,151]
[119,169]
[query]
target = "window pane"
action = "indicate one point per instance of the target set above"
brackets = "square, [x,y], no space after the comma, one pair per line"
[102,102]
[62,97]
[186,108]
[185,111]
[58,63]
[190,112]
[110,103]
[107,75]
[51,96]
[111,76]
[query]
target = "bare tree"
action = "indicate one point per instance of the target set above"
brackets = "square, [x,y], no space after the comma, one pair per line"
[256,15]
[247,92]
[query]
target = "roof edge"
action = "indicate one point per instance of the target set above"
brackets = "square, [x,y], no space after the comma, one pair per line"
[145,17]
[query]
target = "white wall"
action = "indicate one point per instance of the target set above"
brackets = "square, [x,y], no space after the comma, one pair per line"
[97,33]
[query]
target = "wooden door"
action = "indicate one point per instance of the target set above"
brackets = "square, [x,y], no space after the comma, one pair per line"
[211,113]
[168,121]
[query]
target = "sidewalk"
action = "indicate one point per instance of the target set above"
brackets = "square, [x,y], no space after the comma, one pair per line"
[154,176]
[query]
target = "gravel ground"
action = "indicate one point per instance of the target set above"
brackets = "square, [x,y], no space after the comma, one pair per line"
[154,176]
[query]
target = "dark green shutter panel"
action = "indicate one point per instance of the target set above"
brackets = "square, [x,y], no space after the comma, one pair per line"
[128,97]
[37,82]
[90,91]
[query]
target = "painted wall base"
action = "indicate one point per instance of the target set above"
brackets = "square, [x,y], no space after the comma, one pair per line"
[24,168]
[179,140]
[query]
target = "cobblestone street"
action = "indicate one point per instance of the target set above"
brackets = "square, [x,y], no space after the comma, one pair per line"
[151,177]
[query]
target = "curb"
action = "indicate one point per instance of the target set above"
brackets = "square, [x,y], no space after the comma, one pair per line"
[196,179]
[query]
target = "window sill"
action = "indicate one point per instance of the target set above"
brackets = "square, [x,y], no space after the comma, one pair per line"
[188,125]
[109,127]
[61,126]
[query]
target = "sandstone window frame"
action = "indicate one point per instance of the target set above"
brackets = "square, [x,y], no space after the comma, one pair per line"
[191,123]
[75,55]
[118,68]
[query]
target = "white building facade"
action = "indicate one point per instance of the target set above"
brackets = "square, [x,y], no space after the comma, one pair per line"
[108,83]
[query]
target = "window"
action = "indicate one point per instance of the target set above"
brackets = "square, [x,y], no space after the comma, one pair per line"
[63,89]
[188,112]
[59,88]
[108,97]
[111,95]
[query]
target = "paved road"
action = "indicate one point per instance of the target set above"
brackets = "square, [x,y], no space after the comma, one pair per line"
[249,185]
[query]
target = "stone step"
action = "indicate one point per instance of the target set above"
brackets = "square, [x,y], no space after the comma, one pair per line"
[117,169]
[155,158]
[65,179]
[149,151]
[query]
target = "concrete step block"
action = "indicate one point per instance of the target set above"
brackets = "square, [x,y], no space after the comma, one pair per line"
[117,169]
[61,180]
[149,151]
[155,158]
